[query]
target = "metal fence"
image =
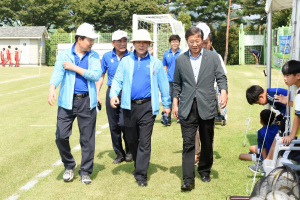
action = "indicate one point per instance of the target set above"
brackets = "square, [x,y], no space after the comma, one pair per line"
[55,38]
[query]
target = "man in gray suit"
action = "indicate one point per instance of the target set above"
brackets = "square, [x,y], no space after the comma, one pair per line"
[194,76]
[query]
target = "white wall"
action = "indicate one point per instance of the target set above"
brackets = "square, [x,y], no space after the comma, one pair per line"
[34,52]
[100,48]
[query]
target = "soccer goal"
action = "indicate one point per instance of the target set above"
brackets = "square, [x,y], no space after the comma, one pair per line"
[160,27]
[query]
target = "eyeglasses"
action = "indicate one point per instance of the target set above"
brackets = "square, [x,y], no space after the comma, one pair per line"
[192,42]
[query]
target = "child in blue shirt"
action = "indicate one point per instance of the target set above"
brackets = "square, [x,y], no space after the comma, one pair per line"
[268,131]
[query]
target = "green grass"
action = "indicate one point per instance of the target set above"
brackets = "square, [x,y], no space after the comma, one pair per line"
[27,151]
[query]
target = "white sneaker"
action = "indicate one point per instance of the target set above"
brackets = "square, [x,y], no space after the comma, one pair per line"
[85,179]
[69,173]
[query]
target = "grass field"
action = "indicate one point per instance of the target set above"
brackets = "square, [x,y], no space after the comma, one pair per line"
[28,159]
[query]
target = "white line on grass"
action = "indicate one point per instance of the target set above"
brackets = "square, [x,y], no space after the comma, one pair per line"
[45,173]
[29,185]
[13,197]
[18,79]
[38,125]
[24,90]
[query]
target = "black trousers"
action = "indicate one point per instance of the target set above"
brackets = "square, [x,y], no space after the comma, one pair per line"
[116,125]
[206,131]
[139,123]
[87,123]
[171,95]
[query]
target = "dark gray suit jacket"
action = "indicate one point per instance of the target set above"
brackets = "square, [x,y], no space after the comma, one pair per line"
[185,87]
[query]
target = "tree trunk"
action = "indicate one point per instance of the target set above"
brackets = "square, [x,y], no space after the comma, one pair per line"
[259,30]
[227,34]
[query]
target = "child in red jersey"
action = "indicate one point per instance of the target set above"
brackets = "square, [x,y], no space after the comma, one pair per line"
[17,52]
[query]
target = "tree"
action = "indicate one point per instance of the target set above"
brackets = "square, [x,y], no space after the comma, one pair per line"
[281,18]
[108,15]
[45,13]
[9,12]
[201,10]
[35,13]
[255,7]
[220,41]
[185,18]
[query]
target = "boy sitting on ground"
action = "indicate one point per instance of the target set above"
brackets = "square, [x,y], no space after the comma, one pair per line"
[267,133]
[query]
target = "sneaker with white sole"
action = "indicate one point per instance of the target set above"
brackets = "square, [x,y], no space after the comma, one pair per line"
[257,168]
[69,173]
[85,179]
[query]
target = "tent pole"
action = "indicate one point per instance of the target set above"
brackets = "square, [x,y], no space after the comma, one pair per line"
[269,49]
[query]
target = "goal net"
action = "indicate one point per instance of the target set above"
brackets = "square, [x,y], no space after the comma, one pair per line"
[160,27]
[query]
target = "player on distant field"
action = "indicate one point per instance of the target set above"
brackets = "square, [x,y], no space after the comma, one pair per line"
[255,53]
[8,56]
[17,57]
[2,57]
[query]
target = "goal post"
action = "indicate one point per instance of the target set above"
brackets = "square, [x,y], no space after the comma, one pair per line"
[160,27]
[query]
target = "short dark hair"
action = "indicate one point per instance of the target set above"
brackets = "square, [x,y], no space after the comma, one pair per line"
[9,46]
[291,67]
[253,93]
[248,49]
[16,48]
[3,48]
[210,36]
[174,37]
[193,31]
[79,36]
[265,116]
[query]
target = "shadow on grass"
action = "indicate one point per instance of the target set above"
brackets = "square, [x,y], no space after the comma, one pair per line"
[177,170]
[110,153]
[217,155]
[252,138]
[129,168]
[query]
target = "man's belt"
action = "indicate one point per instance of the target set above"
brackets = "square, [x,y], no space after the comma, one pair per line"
[81,95]
[141,101]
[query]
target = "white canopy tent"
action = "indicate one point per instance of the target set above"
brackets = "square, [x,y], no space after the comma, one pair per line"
[275,5]
[271,6]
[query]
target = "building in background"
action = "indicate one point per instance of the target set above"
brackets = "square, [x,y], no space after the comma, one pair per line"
[28,39]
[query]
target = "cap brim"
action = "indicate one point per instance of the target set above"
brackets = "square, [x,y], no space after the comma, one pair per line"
[131,41]
[127,37]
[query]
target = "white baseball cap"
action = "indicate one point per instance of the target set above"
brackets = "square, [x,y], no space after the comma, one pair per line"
[205,29]
[87,30]
[117,35]
[141,35]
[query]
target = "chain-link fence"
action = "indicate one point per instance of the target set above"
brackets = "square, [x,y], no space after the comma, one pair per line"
[55,38]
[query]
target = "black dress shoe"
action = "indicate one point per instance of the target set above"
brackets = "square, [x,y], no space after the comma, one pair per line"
[205,178]
[142,183]
[188,186]
[118,159]
[128,157]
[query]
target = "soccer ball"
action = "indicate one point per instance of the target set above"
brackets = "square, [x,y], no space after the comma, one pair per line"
[296,190]
[277,195]
[258,197]
[281,182]
[264,188]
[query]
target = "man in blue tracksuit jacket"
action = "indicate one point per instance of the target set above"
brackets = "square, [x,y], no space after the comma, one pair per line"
[140,76]
[76,70]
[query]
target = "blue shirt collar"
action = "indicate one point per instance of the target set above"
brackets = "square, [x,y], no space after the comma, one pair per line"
[74,52]
[146,56]
[114,52]
[170,50]
[201,52]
